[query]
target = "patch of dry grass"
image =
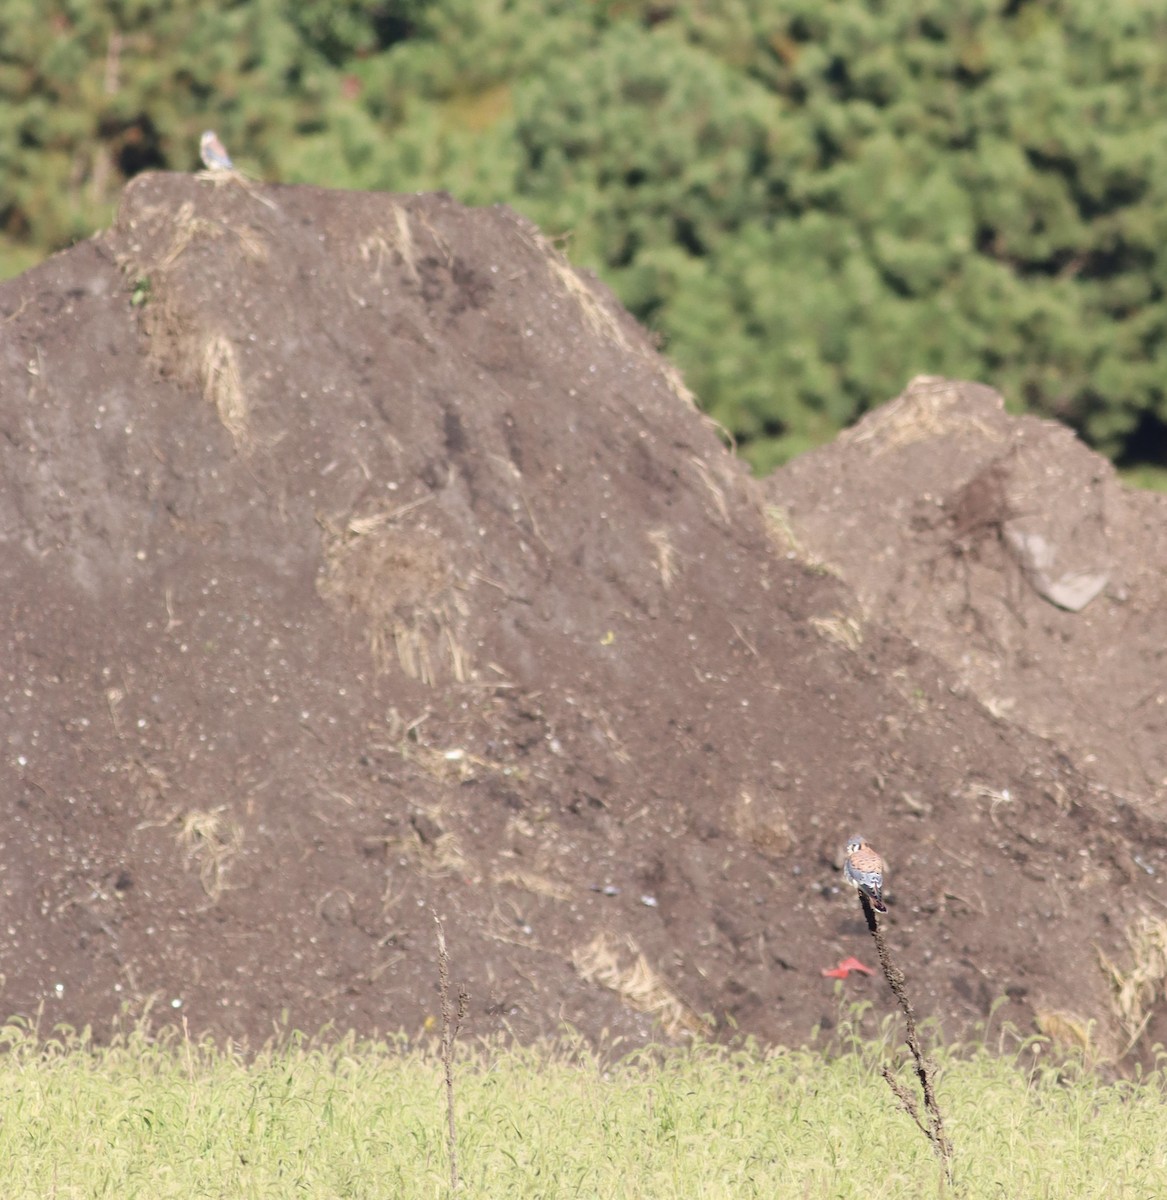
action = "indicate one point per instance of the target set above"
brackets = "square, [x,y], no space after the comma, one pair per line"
[603,320]
[429,847]
[223,387]
[210,840]
[929,407]
[189,229]
[680,389]
[399,580]
[618,965]
[787,542]
[597,315]
[666,556]
[996,797]
[716,491]
[379,245]
[842,630]
[1067,1031]
[1137,989]
[188,343]
[536,884]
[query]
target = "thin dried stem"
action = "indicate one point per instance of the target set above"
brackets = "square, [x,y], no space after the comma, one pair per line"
[934,1128]
[451,1023]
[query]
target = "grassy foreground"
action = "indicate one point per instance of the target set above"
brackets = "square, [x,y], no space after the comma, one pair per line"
[175,1119]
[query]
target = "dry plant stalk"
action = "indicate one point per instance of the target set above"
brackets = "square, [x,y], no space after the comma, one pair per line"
[451,1023]
[934,1129]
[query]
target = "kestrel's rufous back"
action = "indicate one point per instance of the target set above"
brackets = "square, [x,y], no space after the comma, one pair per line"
[863,869]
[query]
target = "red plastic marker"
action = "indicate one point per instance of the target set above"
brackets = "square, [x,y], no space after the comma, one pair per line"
[845,968]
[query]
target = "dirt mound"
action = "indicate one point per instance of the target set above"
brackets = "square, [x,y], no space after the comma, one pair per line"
[362,559]
[1013,553]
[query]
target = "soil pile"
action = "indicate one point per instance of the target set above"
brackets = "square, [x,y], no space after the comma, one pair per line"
[363,560]
[1013,553]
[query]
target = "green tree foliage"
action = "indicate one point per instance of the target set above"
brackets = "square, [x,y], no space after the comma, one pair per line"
[810,202]
[814,202]
[92,93]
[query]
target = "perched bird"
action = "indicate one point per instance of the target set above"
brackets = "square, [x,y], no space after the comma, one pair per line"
[213,153]
[863,869]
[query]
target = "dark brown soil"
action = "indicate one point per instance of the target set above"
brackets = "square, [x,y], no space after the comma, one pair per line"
[364,561]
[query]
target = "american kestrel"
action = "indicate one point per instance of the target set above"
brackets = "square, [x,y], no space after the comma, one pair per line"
[214,153]
[863,869]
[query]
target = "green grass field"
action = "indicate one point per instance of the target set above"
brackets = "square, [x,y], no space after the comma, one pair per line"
[174,1119]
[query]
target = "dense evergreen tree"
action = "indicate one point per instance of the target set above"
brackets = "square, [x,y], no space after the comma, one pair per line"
[811,202]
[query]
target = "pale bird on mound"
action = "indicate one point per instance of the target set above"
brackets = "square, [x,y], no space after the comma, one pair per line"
[863,869]
[214,153]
